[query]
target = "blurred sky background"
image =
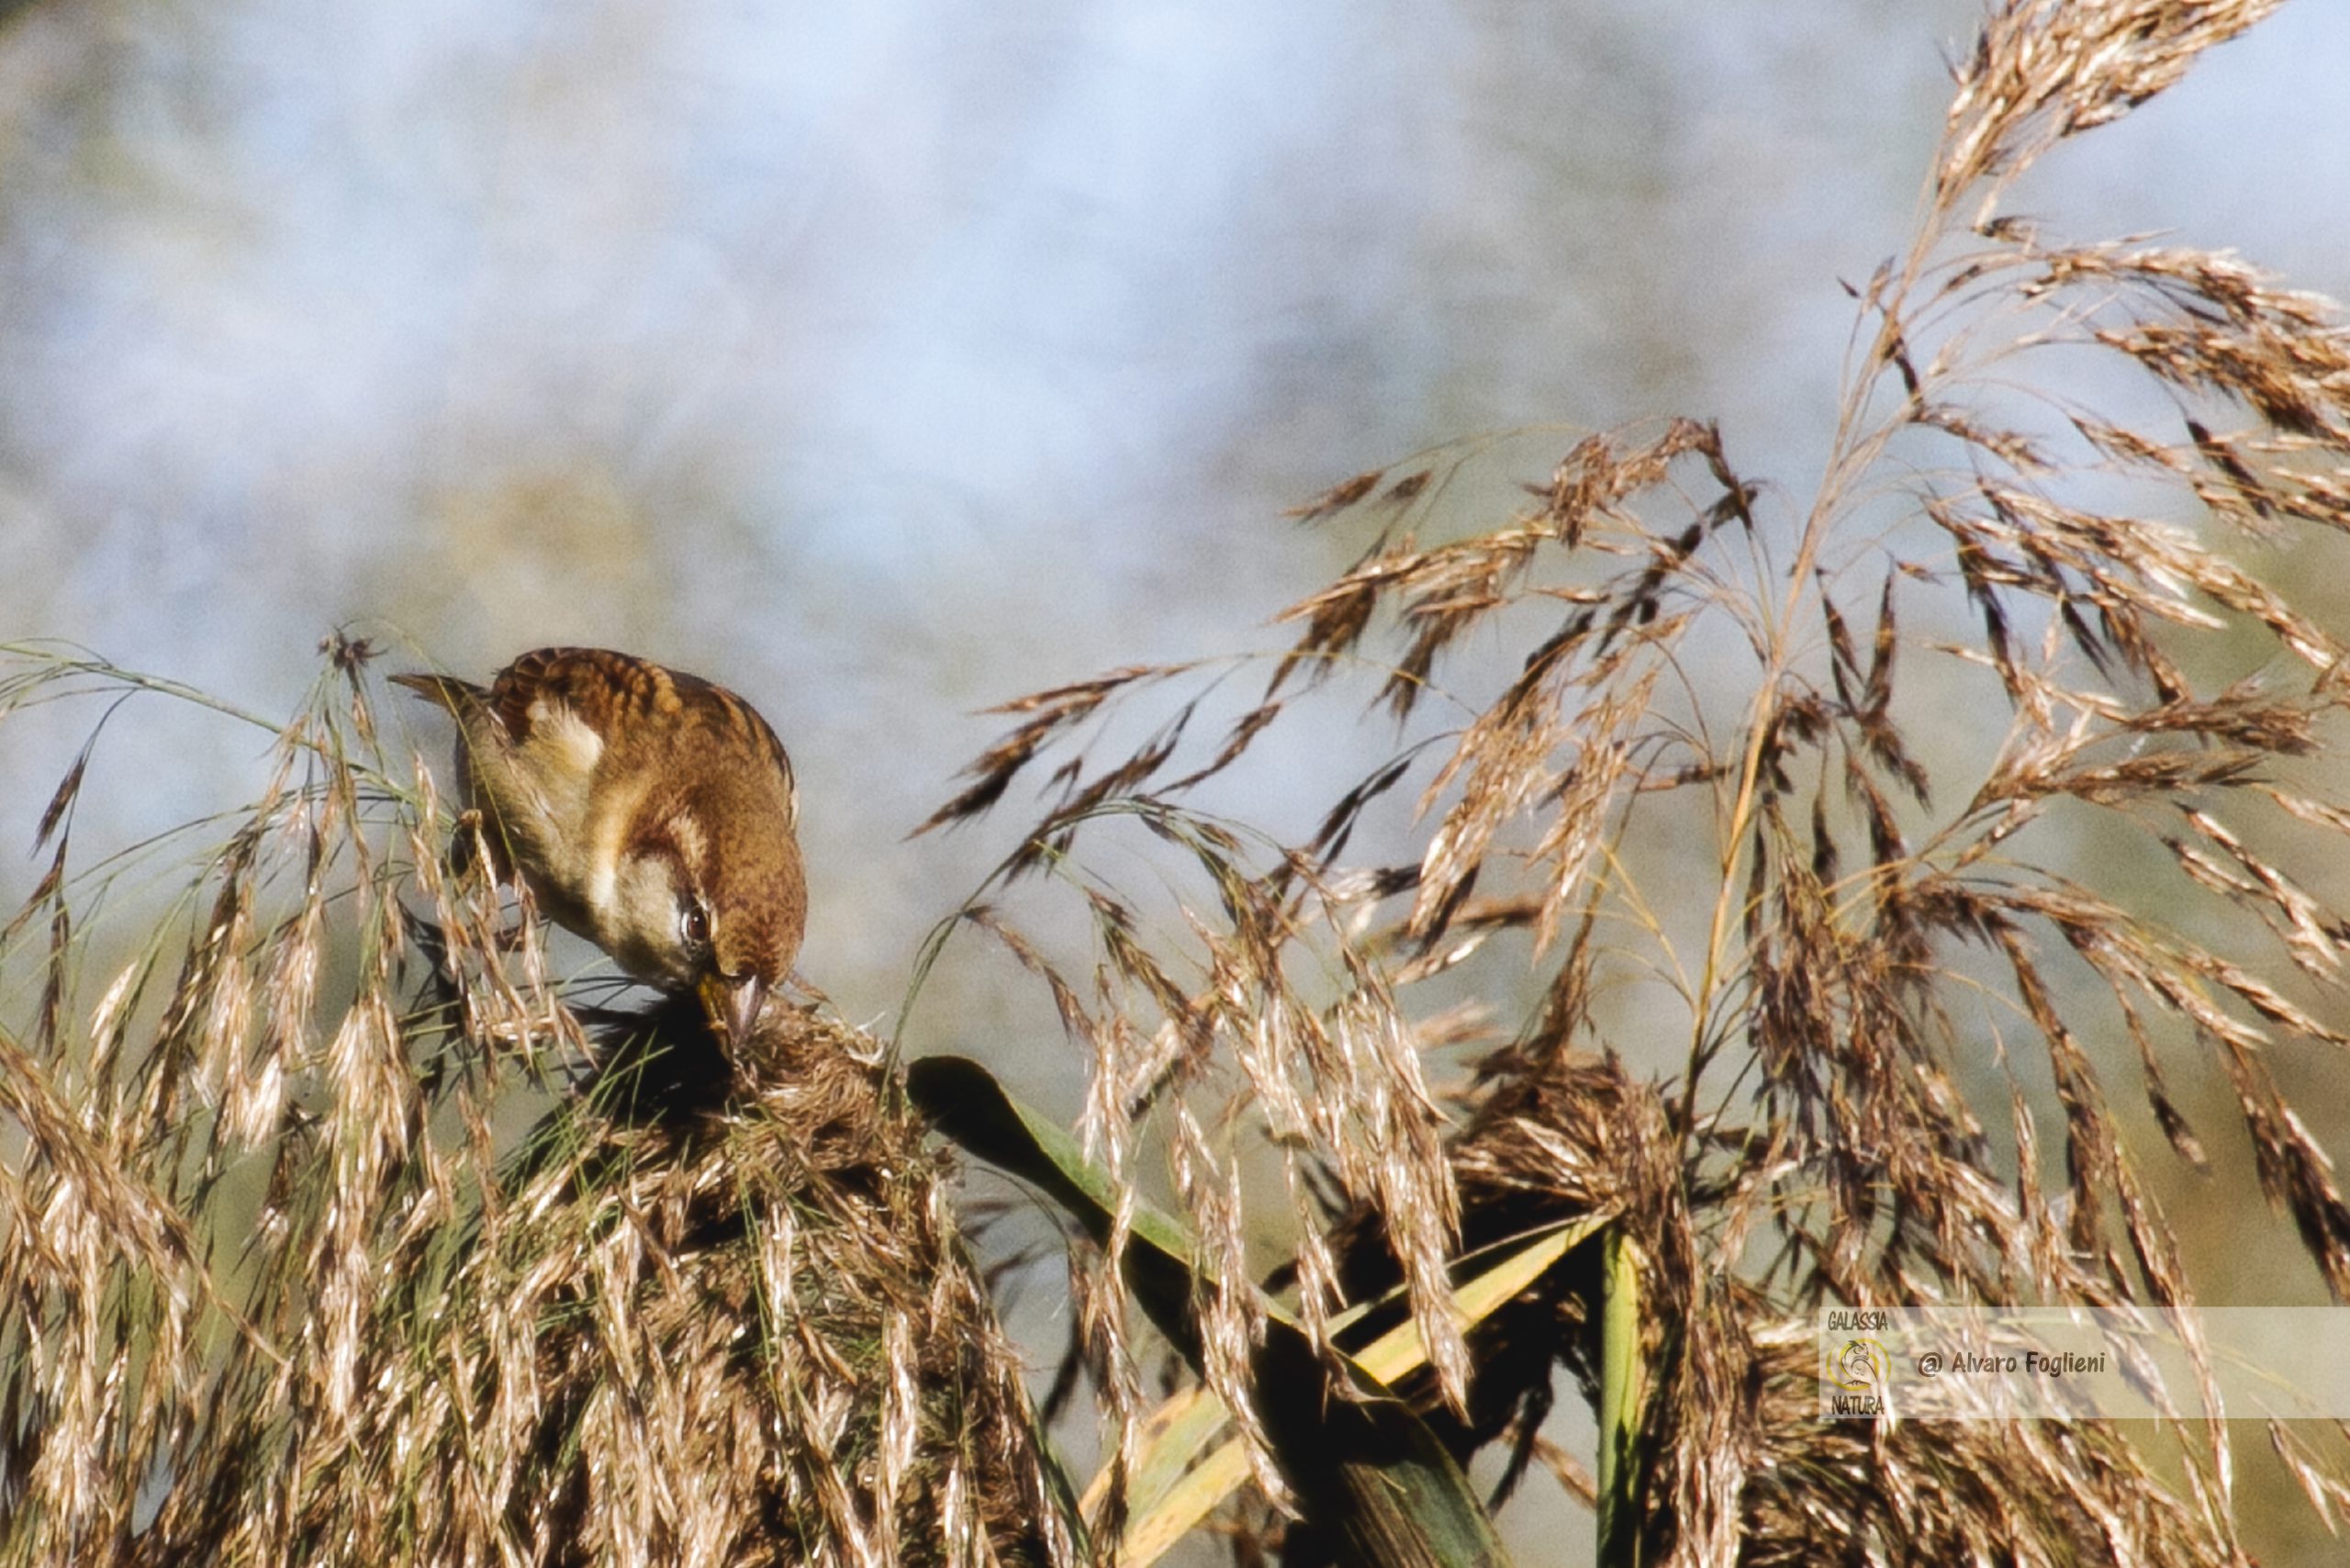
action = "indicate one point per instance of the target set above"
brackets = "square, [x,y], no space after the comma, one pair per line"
[887,360]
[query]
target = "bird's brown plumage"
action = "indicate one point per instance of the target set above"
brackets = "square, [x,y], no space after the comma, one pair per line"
[650,811]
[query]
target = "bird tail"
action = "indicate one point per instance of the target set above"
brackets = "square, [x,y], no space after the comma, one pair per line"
[460,697]
[466,702]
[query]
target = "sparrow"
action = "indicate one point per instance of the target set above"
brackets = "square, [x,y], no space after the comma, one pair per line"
[650,811]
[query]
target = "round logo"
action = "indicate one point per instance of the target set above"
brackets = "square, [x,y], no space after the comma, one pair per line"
[1860,1367]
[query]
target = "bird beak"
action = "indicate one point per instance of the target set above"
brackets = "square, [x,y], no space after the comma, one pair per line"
[733,1005]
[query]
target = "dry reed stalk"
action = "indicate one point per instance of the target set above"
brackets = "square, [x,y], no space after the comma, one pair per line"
[307,1263]
[1884,923]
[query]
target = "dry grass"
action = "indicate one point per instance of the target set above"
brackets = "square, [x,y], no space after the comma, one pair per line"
[1721,779]
[1812,994]
[306,1265]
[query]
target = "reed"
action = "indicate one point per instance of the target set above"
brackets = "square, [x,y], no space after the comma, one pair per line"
[335,1225]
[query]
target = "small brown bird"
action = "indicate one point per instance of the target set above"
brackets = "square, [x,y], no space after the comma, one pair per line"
[648,810]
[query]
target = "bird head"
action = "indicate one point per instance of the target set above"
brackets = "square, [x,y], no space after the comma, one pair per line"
[711,898]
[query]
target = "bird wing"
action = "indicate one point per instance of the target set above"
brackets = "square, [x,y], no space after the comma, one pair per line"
[617,695]
[604,689]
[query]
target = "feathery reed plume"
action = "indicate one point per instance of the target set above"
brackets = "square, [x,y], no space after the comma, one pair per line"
[1721,776]
[310,1258]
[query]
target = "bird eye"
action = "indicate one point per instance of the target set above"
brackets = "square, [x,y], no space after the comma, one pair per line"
[693,924]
